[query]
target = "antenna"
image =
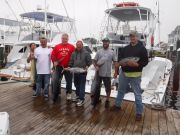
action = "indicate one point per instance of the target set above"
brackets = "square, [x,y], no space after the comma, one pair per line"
[22,6]
[109,18]
[107,3]
[39,8]
[159,30]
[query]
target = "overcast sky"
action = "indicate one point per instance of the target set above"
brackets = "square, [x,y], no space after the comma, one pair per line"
[89,14]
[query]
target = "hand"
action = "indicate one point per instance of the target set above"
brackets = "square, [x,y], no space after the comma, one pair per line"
[55,63]
[132,63]
[52,71]
[115,75]
[86,68]
[97,68]
[66,69]
[123,64]
[31,55]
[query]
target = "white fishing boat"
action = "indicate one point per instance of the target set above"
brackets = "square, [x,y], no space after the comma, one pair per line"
[9,31]
[9,35]
[155,76]
[17,67]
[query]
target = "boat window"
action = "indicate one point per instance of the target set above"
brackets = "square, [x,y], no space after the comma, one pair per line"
[22,50]
[8,49]
[142,37]
[122,37]
[143,43]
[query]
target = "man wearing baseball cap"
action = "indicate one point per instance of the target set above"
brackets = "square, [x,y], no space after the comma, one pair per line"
[103,64]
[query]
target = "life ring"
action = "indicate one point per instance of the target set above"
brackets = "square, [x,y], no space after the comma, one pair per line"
[127,4]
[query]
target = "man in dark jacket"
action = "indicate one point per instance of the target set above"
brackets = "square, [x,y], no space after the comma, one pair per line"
[131,72]
[80,59]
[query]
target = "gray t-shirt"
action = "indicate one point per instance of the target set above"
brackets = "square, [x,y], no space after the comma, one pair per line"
[105,59]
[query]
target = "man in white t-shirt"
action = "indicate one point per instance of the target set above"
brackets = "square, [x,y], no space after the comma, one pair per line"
[42,55]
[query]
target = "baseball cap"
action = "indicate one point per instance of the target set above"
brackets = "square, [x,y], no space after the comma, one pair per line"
[105,40]
[133,33]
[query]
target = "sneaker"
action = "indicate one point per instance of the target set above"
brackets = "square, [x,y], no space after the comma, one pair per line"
[68,96]
[80,103]
[31,85]
[98,102]
[34,95]
[54,101]
[107,104]
[115,108]
[138,117]
[46,97]
[75,99]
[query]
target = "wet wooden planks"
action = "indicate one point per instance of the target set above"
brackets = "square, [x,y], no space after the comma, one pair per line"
[30,116]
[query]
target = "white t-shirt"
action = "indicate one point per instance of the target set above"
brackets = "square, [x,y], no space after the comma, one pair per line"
[43,57]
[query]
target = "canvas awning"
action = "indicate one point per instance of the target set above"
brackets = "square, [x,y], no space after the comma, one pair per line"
[51,17]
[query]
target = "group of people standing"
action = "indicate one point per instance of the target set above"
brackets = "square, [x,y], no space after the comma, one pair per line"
[65,56]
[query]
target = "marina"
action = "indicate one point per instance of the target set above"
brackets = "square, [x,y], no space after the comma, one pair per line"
[127,18]
[149,70]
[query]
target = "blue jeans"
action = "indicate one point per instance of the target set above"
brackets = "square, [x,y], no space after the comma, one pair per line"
[40,78]
[80,83]
[135,84]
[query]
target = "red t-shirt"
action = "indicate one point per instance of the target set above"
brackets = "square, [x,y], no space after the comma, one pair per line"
[62,53]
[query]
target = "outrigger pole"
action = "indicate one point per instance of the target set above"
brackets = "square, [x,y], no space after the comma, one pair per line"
[11,9]
[45,18]
[71,24]
[159,30]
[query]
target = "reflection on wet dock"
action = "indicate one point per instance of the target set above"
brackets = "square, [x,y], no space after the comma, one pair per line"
[37,116]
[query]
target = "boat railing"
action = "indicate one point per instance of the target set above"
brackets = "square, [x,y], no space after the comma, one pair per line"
[124,30]
[124,38]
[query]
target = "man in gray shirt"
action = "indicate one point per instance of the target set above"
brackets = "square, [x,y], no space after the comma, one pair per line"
[103,64]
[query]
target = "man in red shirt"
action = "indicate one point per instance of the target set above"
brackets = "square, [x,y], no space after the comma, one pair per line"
[60,56]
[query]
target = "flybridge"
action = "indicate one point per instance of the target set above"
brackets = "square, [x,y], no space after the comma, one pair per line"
[128,16]
[130,13]
[51,17]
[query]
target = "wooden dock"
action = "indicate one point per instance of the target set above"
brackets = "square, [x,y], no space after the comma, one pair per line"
[30,116]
